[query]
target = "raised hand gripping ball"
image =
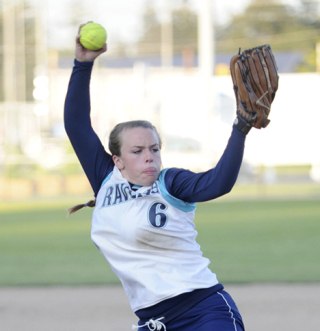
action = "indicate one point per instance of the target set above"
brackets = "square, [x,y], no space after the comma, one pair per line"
[93,36]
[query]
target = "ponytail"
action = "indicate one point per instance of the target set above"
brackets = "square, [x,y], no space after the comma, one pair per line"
[75,208]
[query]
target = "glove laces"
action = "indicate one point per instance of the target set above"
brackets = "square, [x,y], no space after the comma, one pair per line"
[153,325]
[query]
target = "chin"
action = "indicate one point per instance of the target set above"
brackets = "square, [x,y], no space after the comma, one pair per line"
[150,181]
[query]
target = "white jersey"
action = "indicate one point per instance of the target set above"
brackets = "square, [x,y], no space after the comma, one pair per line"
[149,239]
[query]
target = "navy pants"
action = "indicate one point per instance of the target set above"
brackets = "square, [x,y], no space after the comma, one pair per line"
[218,312]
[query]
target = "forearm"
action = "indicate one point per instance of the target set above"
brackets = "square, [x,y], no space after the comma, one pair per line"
[87,146]
[77,102]
[221,179]
[204,186]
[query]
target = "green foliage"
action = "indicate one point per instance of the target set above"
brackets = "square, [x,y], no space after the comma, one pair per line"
[182,26]
[247,241]
[268,22]
[150,40]
[286,28]
[185,29]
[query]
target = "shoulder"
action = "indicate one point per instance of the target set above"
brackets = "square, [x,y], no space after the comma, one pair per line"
[174,176]
[166,187]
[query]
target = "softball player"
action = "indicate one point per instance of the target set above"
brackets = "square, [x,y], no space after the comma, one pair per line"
[143,220]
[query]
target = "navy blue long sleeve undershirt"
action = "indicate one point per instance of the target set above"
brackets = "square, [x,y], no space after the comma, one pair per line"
[97,163]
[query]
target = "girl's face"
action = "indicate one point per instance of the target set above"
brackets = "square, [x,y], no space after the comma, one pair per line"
[140,158]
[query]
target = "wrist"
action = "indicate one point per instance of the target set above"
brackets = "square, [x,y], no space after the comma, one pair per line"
[83,64]
[242,125]
[82,61]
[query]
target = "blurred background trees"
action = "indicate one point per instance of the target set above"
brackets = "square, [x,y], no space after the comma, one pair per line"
[287,28]
[36,43]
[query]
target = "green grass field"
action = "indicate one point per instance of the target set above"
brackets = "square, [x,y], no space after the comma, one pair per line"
[247,241]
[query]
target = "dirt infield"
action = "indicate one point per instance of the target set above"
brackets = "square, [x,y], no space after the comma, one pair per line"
[282,307]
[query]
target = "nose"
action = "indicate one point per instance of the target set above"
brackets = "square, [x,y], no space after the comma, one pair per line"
[148,156]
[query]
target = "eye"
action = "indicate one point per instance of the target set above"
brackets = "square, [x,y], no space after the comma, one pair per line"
[138,151]
[155,149]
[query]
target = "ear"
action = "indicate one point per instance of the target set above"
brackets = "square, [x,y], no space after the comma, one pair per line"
[118,162]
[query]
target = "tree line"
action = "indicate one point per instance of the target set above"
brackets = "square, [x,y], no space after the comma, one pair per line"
[286,28]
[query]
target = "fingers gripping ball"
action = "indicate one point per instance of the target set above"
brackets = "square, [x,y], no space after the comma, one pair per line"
[93,36]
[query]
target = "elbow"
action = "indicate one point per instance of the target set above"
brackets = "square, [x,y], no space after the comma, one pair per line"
[223,191]
[227,187]
[227,190]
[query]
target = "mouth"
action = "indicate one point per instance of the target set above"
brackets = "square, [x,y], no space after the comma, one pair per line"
[150,171]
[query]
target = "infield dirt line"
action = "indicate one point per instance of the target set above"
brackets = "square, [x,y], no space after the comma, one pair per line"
[277,307]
